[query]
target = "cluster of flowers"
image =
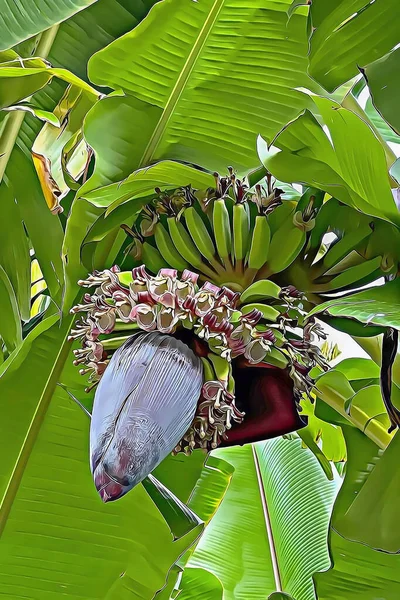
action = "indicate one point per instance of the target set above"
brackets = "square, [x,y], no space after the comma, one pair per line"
[164,303]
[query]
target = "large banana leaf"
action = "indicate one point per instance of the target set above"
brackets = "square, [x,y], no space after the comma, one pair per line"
[378,305]
[20,20]
[358,571]
[384,83]
[219,73]
[57,538]
[199,584]
[14,250]
[269,533]
[92,29]
[349,34]
[349,164]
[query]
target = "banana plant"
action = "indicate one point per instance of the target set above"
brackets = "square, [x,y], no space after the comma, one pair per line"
[124,166]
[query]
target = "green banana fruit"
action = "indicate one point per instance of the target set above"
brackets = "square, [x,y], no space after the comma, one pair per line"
[276,358]
[221,366]
[359,274]
[286,244]
[281,215]
[268,312]
[351,260]
[325,217]
[241,231]
[152,258]
[199,233]
[341,249]
[201,237]
[208,371]
[260,290]
[222,231]
[186,247]
[260,244]
[183,242]
[167,248]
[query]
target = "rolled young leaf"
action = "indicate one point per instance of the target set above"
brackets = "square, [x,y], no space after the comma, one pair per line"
[144,404]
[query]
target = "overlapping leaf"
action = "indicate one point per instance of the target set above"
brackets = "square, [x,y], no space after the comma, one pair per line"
[49,510]
[239,545]
[348,34]
[378,305]
[219,74]
[384,84]
[358,571]
[350,164]
[19,21]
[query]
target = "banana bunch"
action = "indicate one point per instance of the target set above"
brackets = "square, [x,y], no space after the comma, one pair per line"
[228,234]
[357,250]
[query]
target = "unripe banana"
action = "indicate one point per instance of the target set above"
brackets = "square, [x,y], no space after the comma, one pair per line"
[186,247]
[152,258]
[260,243]
[276,358]
[167,248]
[260,290]
[221,366]
[241,231]
[342,248]
[286,245]
[222,230]
[183,242]
[201,237]
[208,371]
[360,274]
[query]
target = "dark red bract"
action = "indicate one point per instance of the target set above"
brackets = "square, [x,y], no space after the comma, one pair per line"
[265,394]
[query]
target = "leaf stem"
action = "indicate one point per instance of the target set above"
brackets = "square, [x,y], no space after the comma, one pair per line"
[374,430]
[373,347]
[13,121]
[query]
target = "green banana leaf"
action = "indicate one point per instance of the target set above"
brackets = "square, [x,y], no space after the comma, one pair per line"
[200,584]
[269,532]
[377,305]
[14,250]
[88,31]
[336,391]
[349,34]
[376,504]
[10,322]
[379,122]
[29,17]
[209,111]
[383,80]
[57,538]
[70,46]
[37,219]
[352,168]
[358,571]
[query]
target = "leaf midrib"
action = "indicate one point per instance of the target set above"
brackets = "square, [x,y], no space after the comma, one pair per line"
[181,83]
[268,525]
[33,430]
